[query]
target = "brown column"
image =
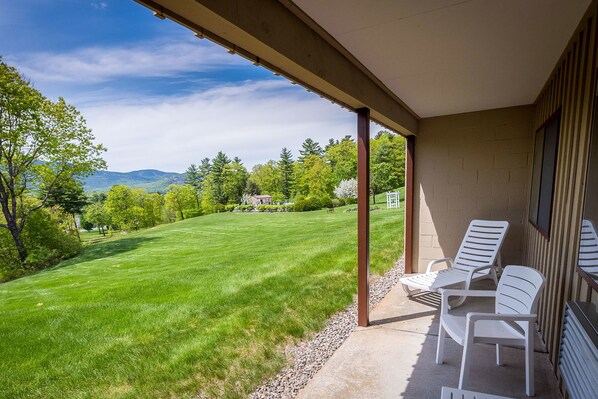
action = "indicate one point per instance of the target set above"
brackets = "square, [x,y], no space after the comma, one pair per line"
[409,183]
[363,216]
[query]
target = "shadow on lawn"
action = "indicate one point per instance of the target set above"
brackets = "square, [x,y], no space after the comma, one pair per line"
[108,249]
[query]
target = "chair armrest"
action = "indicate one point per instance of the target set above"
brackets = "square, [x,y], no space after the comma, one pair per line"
[472,317]
[476,270]
[446,293]
[448,261]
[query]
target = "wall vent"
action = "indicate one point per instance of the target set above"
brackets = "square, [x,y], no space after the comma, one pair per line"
[578,358]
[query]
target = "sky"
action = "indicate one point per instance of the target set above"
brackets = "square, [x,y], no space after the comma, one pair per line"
[155,95]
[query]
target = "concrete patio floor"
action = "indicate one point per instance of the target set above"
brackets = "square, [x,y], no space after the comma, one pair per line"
[395,357]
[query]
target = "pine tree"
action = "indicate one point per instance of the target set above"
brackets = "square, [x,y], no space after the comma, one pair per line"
[310,147]
[286,168]
[218,164]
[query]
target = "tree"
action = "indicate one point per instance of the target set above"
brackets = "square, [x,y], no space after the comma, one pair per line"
[387,163]
[68,193]
[97,214]
[180,198]
[346,189]
[194,179]
[314,177]
[119,205]
[234,181]
[310,147]
[286,171]
[40,141]
[343,159]
[268,178]
[218,164]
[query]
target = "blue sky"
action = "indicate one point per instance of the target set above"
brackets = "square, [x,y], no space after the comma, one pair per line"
[152,92]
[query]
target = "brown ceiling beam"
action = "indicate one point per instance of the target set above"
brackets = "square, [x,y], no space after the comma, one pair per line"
[270,34]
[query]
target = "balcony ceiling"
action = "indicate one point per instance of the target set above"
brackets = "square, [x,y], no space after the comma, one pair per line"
[449,56]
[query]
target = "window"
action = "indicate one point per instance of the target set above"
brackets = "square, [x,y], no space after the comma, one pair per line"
[543,174]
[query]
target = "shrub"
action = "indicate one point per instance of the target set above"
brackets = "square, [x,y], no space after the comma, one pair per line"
[192,213]
[346,188]
[350,200]
[341,201]
[229,207]
[325,202]
[48,241]
[307,204]
[336,203]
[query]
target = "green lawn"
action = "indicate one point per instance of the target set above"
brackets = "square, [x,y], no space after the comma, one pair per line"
[201,306]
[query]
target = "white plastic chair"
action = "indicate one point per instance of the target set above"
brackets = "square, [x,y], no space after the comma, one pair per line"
[588,249]
[512,323]
[479,251]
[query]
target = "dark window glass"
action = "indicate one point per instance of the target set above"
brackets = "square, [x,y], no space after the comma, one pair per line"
[543,174]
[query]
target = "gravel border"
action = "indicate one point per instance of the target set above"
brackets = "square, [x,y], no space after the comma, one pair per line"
[308,357]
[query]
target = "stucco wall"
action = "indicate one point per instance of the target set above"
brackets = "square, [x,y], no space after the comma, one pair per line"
[471,166]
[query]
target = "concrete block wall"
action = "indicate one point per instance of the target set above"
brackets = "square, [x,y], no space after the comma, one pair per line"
[471,166]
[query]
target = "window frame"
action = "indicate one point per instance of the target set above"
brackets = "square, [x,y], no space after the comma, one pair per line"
[537,190]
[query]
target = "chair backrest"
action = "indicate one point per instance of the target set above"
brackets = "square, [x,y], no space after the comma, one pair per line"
[519,290]
[481,244]
[588,245]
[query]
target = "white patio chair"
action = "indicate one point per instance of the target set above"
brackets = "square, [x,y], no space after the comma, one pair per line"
[512,323]
[588,249]
[475,260]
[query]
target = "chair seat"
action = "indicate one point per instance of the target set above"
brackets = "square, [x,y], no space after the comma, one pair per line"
[433,281]
[492,331]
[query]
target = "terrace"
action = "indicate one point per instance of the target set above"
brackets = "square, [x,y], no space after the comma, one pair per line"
[476,88]
[395,357]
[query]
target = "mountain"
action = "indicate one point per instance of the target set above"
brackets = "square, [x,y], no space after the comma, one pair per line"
[149,179]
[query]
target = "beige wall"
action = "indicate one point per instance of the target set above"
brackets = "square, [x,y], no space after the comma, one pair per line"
[471,166]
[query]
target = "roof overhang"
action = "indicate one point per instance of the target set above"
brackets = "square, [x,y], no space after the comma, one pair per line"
[401,59]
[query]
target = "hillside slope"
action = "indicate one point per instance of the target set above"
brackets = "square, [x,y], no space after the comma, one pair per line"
[149,179]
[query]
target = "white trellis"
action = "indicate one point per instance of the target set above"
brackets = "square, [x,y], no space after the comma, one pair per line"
[393,200]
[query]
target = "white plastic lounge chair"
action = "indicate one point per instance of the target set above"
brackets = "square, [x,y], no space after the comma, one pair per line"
[478,253]
[512,323]
[588,249]
[454,393]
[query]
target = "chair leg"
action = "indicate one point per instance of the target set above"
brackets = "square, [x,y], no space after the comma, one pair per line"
[466,360]
[529,361]
[494,277]
[408,291]
[440,346]
[499,359]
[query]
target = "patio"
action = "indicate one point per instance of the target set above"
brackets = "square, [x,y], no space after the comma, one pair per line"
[395,357]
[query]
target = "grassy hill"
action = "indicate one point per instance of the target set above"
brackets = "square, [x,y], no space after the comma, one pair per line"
[149,179]
[200,306]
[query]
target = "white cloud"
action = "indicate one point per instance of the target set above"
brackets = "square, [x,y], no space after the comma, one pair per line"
[253,121]
[99,5]
[99,64]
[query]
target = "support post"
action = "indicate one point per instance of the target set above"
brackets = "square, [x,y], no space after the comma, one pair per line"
[409,187]
[363,216]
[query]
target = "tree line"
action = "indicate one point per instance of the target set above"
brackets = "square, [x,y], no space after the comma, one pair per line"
[316,174]
[318,178]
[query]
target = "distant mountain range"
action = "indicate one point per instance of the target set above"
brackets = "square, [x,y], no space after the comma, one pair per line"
[149,179]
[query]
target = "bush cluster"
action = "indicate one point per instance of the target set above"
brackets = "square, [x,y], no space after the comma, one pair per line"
[309,204]
[192,213]
[48,241]
[275,208]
